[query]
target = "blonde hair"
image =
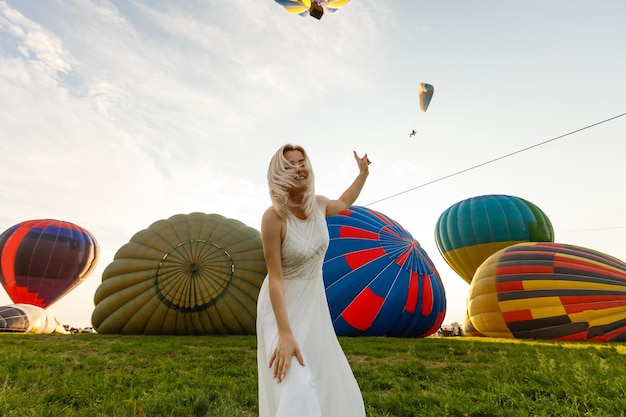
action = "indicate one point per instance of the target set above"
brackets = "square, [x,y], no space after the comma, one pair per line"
[279,179]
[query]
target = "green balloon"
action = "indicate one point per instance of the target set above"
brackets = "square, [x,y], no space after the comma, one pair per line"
[195,274]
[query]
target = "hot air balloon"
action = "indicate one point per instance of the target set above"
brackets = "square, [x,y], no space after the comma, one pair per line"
[314,8]
[425,93]
[550,291]
[27,318]
[469,231]
[42,260]
[468,327]
[192,274]
[379,281]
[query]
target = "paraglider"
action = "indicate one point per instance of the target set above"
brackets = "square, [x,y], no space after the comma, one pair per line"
[192,274]
[379,280]
[314,8]
[546,290]
[425,94]
[469,231]
[42,260]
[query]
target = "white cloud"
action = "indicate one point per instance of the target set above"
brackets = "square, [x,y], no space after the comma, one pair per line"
[34,41]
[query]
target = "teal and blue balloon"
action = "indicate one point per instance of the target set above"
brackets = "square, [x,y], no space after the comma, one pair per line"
[471,230]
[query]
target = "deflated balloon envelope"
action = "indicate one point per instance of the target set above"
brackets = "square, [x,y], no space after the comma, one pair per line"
[191,274]
[469,231]
[379,281]
[27,318]
[42,260]
[550,291]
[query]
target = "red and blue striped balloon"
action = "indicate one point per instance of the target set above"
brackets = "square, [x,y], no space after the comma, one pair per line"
[379,281]
[42,260]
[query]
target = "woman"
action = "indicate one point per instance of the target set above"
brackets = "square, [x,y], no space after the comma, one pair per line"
[302,370]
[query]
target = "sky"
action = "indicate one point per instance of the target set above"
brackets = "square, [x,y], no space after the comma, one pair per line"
[116,114]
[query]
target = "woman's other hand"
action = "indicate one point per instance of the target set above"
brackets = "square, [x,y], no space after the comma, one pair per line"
[286,348]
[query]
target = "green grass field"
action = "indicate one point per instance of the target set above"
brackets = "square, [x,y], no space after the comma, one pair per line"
[184,376]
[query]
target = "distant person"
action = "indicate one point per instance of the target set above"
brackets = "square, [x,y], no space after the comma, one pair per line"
[303,371]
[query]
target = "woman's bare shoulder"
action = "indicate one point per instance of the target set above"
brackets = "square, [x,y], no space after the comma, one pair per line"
[271,215]
[321,200]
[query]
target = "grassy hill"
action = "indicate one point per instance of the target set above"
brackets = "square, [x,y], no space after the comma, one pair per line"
[185,376]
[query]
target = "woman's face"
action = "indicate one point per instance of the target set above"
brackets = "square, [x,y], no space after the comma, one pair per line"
[296,168]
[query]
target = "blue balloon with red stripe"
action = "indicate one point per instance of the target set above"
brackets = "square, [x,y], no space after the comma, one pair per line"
[379,281]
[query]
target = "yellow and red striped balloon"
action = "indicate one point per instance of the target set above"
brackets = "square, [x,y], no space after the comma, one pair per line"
[546,290]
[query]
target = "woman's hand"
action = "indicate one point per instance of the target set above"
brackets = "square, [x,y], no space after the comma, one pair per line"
[363,163]
[281,358]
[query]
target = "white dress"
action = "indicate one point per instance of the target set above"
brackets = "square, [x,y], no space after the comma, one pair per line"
[325,386]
